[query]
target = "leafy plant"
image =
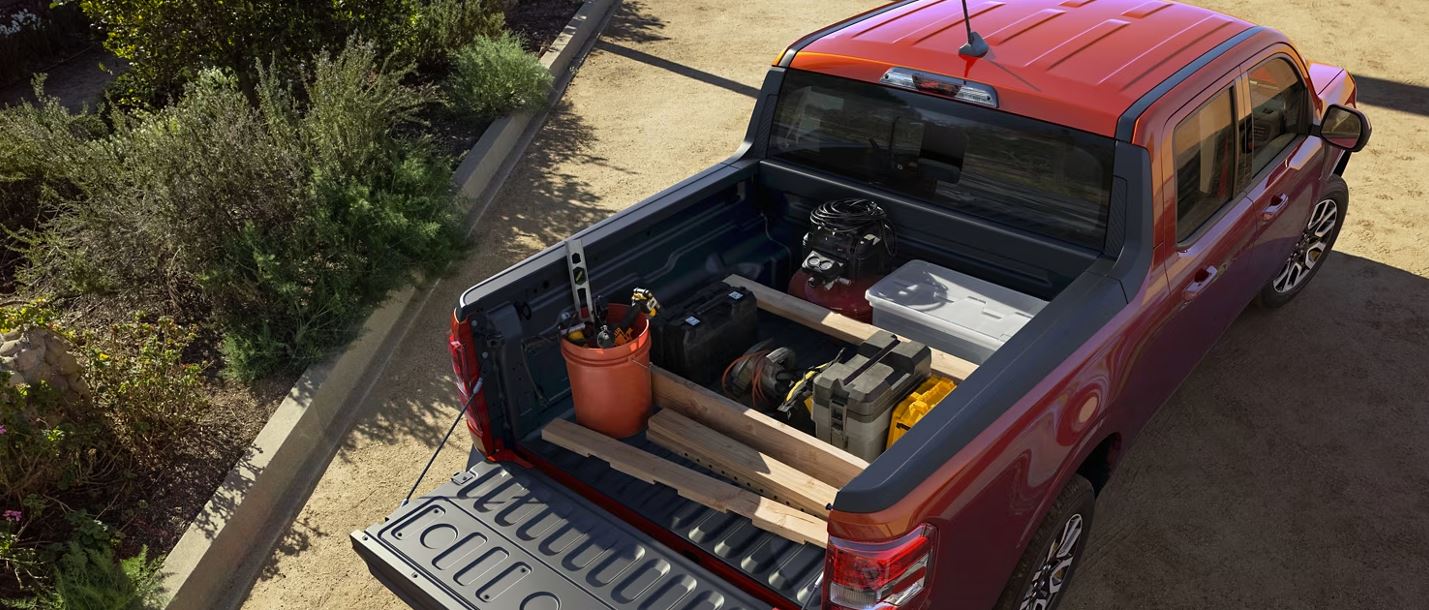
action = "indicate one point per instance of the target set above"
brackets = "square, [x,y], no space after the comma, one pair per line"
[286,221]
[47,446]
[42,141]
[138,378]
[87,577]
[436,28]
[168,43]
[493,76]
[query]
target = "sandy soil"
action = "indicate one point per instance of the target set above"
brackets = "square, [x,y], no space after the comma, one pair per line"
[1288,471]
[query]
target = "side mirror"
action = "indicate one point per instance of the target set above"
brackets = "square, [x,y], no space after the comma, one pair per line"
[1344,128]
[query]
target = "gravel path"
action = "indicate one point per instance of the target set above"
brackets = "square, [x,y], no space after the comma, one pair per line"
[1288,471]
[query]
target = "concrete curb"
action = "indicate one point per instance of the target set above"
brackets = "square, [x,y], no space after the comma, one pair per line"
[220,554]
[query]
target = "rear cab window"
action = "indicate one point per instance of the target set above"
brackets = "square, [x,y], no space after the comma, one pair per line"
[1019,172]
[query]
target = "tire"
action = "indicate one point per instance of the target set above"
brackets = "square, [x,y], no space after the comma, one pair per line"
[1310,253]
[1032,584]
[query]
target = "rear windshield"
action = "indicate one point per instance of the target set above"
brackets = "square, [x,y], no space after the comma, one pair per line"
[1016,171]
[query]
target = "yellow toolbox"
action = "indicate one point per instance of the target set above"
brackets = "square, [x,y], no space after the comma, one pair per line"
[918,404]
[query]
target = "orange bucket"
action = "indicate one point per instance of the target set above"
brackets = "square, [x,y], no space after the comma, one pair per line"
[611,387]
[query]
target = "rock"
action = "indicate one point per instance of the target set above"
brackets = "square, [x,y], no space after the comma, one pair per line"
[27,360]
[9,348]
[40,355]
[67,364]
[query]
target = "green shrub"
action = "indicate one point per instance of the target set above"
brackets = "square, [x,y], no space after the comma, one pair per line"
[84,574]
[41,142]
[286,221]
[169,42]
[494,76]
[50,442]
[436,28]
[136,374]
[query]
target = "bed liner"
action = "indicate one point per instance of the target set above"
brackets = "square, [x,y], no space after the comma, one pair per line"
[788,568]
[504,536]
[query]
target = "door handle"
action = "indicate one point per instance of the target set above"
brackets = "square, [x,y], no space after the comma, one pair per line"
[1199,283]
[1276,206]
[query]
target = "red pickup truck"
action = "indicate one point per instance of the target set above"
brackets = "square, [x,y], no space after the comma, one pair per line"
[1144,167]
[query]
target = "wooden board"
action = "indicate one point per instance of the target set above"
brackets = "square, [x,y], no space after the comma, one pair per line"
[756,471]
[764,434]
[837,325]
[709,491]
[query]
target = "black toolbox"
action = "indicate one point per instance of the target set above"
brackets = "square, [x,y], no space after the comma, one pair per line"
[699,337]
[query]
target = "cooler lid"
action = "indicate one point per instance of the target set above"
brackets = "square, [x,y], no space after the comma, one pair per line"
[955,303]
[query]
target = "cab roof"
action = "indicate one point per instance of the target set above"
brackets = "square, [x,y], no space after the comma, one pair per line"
[1079,63]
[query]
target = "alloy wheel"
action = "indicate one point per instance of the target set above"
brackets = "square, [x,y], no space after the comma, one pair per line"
[1314,244]
[1052,576]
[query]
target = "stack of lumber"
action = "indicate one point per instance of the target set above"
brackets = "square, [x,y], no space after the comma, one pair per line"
[786,479]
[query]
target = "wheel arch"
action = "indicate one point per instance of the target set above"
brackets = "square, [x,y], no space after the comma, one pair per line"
[1101,461]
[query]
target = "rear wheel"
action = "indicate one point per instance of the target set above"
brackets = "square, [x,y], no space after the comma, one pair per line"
[1305,260]
[1045,569]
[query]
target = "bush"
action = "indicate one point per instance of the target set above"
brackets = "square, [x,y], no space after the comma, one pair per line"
[51,441]
[494,76]
[136,374]
[84,575]
[287,221]
[436,28]
[40,142]
[168,43]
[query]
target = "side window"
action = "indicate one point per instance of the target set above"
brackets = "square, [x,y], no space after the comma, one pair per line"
[1204,145]
[1278,110]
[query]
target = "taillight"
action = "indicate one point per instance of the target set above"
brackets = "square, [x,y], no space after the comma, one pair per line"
[468,374]
[877,575]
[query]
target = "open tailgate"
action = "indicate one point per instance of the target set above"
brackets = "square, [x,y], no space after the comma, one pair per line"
[504,537]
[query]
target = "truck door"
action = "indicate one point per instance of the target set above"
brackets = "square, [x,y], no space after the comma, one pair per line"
[1283,164]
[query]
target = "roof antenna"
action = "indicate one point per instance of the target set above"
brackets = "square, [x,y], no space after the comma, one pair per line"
[976,46]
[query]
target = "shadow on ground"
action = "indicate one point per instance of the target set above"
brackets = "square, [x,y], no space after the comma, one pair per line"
[634,23]
[1387,93]
[1288,470]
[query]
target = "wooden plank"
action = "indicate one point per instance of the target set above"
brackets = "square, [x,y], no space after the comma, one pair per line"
[707,490]
[764,434]
[836,325]
[754,470]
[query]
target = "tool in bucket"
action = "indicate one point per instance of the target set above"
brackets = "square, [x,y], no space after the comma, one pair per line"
[591,327]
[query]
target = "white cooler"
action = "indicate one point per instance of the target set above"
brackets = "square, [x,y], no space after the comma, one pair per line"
[950,311]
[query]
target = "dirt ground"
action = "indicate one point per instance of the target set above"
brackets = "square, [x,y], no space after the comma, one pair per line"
[1288,471]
